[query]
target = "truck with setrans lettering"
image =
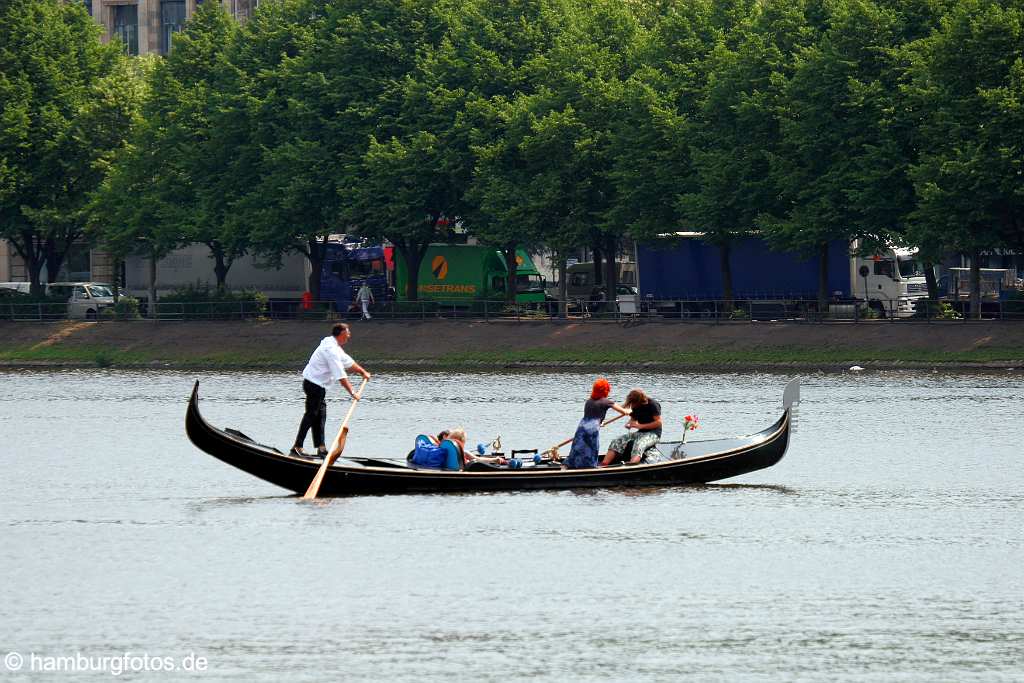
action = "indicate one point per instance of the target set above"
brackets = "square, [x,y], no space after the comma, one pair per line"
[464,275]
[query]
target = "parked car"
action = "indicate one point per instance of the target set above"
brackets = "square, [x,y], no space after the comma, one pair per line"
[85,299]
[8,288]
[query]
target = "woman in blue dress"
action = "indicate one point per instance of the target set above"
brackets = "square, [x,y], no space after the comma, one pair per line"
[586,444]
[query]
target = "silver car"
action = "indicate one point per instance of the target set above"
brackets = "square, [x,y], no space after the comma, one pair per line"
[85,299]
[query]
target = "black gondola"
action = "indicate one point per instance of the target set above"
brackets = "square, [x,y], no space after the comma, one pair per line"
[695,462]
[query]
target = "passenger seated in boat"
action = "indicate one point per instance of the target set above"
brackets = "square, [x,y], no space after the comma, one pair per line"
[646,420]
[457,437]
[429,452]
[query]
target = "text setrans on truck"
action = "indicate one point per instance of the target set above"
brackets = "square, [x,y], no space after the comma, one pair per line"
[681,271]
[462,274]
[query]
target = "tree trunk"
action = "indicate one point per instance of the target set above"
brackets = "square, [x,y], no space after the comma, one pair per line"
[725,263]
[563,273]
[54,260]
[512,266]
[930,282]
[116,284]
[35,269]
[823,279]
[975,285]
[412,254]
[152,284]
[317,252]
[598,269]
[611,277]
[221,264]
[27,248]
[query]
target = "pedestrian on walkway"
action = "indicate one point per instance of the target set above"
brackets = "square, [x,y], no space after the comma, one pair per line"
[365,297]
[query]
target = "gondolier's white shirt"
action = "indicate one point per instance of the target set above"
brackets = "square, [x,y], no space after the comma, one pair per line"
[327,364]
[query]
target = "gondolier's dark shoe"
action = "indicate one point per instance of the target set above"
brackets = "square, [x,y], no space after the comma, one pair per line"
[298,452]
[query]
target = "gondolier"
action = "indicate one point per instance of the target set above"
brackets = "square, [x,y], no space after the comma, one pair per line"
[328,364]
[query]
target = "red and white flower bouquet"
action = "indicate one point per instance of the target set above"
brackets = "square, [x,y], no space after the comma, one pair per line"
[690,422]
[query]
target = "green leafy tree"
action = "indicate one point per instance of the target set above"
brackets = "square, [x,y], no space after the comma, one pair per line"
[409,185]
[508,204]
[967,80]
[286,198]
[545,153]
[65,100]
[732,129]
[478,53]
[526,184]
[195,104]
[187,159]
[832,151]
[134,210]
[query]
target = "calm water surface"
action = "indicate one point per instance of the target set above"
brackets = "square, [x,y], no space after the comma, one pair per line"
[887,545]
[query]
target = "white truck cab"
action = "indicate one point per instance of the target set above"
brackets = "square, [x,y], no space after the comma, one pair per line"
[890,281]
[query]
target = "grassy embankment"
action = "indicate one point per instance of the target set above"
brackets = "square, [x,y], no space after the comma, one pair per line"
[106,357]
[446,344]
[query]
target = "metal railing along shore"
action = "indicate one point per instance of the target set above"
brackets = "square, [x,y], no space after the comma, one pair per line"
[577,310]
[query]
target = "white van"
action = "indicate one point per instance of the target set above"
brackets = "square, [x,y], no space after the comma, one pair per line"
[85,299]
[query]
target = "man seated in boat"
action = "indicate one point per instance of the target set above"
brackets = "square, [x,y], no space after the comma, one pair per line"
[447,451]
[457,437]
[641,444]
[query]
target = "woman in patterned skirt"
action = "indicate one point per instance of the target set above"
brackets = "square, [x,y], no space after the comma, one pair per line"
[645,418]
[586,444]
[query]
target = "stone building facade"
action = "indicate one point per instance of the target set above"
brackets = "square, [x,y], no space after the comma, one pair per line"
[148,26]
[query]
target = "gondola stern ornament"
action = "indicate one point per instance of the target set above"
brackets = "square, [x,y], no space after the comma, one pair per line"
[791,400]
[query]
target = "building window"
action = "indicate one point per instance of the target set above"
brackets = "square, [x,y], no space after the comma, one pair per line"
[172,18]
[243,9]
[88,6]
[126,27]
[77,266]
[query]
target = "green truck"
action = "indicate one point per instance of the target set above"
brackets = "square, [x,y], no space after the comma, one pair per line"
[458,274]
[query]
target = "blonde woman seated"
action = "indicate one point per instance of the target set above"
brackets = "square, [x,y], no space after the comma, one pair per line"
[457,437]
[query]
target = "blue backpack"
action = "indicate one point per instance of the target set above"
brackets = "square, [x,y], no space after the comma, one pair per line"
[428,454]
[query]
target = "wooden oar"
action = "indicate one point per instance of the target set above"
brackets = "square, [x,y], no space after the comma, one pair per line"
[337,446]
[554,449]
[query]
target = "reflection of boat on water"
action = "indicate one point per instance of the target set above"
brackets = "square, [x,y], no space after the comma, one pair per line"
[695,462]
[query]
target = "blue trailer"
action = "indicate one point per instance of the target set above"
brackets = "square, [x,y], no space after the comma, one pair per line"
[347,267]
[682,275]
[688,268]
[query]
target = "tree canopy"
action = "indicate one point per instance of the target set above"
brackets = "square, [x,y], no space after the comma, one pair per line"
[550,124]
[66,104]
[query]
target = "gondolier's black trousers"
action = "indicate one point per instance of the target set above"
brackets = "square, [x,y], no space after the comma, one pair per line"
[315,415]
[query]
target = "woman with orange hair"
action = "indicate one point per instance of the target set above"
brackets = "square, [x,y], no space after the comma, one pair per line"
[586,444]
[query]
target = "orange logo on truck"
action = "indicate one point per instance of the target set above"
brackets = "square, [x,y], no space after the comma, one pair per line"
[439,267]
